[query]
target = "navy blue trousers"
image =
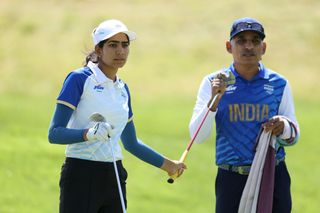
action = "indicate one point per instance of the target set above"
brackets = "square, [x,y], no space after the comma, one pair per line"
[229,186]
[91,187]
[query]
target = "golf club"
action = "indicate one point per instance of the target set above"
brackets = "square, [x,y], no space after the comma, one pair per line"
[97,117]
[228,77]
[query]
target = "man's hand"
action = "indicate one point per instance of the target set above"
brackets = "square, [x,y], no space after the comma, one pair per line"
[275,125]
[101,131]
[218,87]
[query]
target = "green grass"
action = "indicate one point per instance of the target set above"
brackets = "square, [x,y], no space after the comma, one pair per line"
[178,43]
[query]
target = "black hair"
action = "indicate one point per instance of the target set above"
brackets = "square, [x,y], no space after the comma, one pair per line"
[92,55]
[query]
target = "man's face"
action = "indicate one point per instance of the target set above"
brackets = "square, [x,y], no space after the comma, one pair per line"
[247,48]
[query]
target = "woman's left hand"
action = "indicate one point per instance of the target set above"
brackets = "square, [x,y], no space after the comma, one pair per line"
[172,167]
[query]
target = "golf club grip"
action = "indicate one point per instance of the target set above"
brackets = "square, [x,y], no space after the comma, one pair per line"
[182,158]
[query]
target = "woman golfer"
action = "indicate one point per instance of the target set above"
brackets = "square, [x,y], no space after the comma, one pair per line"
[88,181]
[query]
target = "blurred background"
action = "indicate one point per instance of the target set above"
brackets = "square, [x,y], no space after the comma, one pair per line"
[179,42]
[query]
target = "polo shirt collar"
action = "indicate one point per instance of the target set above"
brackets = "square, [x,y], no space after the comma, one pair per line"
[102,78]
[263,72]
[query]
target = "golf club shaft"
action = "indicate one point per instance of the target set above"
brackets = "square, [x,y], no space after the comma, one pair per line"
[185,153]
[118,179]
[97,117]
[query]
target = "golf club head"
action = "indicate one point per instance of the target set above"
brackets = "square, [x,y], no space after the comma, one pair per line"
[97,117]
[227,76]
[170,180]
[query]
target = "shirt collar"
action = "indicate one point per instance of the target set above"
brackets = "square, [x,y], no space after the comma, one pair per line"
[263,72]
[102,78]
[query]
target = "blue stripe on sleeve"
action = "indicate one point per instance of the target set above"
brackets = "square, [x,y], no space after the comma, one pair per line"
[139,149]
[58,131]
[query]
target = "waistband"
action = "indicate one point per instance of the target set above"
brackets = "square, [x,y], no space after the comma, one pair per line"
[83,162]
[242,170]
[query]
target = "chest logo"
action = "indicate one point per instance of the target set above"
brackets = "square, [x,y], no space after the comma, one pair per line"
[123,94]
[268,88]
[230,89]
[98,88]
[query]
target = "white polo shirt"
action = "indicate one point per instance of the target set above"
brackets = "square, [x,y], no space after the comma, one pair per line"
[87,91]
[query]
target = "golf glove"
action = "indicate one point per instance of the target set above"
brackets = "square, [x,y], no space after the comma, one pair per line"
[101,131]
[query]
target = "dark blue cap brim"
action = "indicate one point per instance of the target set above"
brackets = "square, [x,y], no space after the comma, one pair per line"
[262,35]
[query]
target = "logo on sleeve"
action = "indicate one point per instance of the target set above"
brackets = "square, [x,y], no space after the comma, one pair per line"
[123,94]
[98,88]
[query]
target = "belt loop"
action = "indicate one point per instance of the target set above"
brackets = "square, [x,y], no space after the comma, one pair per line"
[240,170]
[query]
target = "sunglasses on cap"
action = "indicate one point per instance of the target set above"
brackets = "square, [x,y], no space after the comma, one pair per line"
[247,26]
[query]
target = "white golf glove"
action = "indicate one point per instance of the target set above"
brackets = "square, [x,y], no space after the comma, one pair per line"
[101,131]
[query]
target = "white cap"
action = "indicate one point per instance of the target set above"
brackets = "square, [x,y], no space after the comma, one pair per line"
[108,29]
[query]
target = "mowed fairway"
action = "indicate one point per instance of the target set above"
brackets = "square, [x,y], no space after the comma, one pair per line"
[178,43]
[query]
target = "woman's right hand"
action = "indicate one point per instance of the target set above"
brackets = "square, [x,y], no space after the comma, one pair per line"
[101,131]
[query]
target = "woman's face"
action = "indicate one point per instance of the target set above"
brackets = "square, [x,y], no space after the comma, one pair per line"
[114,52]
